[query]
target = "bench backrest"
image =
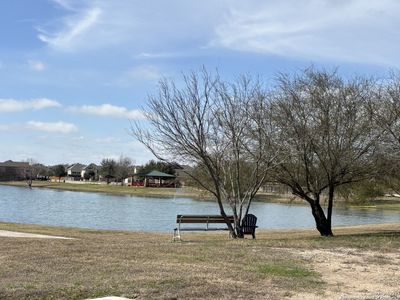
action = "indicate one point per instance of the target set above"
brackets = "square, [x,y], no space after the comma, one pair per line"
[203,219]
[248,223]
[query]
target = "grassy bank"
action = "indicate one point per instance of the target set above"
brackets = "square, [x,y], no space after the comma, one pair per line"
[278,265]
[115,189]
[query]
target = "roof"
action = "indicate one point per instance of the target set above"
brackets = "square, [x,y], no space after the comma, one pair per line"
[90,166]
[76,167]
[155,173]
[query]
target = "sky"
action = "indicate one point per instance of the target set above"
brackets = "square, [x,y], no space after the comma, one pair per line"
[74,74]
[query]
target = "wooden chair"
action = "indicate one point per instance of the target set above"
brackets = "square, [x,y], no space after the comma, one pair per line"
[249,225]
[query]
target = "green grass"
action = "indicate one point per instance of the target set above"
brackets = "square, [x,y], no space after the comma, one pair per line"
[116,189]
[284,269]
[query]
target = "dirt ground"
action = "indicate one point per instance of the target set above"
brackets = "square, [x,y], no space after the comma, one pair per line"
[353,273]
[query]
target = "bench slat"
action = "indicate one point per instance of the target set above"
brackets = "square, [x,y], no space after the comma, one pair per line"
[203,219]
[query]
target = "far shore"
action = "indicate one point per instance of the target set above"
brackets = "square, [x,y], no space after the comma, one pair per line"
[392,203]
[189,192]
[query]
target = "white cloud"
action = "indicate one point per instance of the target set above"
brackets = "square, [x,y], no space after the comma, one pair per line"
[108,140]
[152,55]
[5,127]
[37,65]
[341,31]
[352,31]
[12,105]
[137,27]
[58,127]
[109,110]
[139,73]
[64,4]
[75,29]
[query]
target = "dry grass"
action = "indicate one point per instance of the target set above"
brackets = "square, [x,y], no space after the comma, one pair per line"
[149,266]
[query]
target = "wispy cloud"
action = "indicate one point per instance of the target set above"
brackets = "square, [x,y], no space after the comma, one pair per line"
[108,110]
[108,140]
[56,127]
[36,65]
[6,127]
[137,27]
[140,73]
[74,29]
[64,4]
[351,31]
[12,105]
[155,55]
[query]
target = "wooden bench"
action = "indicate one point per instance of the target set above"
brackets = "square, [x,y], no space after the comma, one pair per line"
[199,219]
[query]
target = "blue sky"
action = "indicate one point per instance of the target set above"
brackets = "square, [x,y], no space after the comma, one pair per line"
[73,73]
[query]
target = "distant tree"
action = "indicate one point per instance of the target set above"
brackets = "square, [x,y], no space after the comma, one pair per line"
[161,166]
[59,171]
[32,170]
[88,175]
[327,137]
[124,168]
[108,169]
[221,127]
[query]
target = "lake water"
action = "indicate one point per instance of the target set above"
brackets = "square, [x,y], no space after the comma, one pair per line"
[104,211]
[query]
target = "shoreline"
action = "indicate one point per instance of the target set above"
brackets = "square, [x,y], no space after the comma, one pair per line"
[338,230]
[188,192]
[390,203]
[114,189]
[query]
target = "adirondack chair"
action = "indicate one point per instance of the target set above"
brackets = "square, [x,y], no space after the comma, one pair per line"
[249,225]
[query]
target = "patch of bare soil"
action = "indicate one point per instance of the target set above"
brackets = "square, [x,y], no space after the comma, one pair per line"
[7,233]
[353,274]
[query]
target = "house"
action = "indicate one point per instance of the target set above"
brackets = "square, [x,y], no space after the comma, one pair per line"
[133,177]
[74,172]
[90,172]
[13,170]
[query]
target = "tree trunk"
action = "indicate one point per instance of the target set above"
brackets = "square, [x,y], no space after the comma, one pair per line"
[238,229]
[330,204]
[323,226]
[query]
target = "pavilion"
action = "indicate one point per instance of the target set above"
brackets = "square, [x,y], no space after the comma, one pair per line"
[158,179]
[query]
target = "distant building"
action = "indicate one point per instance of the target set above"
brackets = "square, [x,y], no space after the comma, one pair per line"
[90,172]
[74,172]
[12,170]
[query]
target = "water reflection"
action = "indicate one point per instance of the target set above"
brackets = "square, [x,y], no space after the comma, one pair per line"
[102,211]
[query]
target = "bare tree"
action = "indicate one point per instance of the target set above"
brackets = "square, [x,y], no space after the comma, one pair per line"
[222,128]
[327,137]
[385,108]
[124,168]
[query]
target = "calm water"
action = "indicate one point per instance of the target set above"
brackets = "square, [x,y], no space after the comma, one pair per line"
[103,211]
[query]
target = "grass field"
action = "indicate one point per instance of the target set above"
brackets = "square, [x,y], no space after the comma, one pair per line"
[358,261]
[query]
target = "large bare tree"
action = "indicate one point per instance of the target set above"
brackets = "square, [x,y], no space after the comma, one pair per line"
[385,108]
[221,128]
[327,137]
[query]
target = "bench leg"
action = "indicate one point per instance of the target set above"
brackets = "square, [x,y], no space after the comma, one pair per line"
[177,235]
